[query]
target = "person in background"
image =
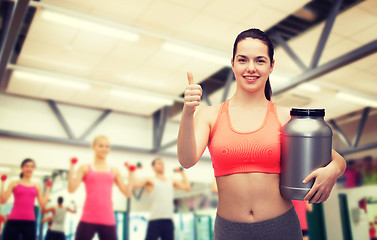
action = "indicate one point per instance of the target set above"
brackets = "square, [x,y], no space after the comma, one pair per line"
[352,174]
[302,207]
[372,231]
[243,137]
[369,172]
[160,190]
[99,178]
[21,220]
[56,231]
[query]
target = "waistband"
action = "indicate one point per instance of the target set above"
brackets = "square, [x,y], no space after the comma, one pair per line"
[291,212]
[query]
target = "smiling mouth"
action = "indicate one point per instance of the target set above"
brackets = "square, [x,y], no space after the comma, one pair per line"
[251,79]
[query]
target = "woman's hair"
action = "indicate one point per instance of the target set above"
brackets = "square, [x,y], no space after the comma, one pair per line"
[24,162]
[97,138]
[257,34]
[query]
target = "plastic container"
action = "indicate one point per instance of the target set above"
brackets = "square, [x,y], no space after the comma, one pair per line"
[306,143]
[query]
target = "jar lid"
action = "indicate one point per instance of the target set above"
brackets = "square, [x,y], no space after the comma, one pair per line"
[310,112]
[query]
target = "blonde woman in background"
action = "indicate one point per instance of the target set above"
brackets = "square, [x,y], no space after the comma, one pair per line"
[99,178]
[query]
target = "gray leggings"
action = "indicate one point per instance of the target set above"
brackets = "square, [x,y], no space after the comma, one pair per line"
[284,227]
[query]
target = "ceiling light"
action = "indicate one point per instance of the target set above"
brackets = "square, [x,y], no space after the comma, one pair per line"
[42,173]
[87,25]
[50,80]
[4,169]
[310,87]
[139,97]
[356,99]
[194,52]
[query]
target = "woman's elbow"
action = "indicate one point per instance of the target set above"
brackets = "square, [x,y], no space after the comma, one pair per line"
[42,205]
[188,188]
[71,190]
[187,164]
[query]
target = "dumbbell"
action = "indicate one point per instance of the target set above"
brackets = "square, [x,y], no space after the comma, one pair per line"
[133,167]
[48,183]
[178,169]
[130,167]
[74,160]
[139,165]
[3,177]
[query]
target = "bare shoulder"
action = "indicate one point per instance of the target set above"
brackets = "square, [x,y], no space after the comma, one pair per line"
[38,187]
[13,183]
[115,170]
[283,114]
[208,113]
[84,168]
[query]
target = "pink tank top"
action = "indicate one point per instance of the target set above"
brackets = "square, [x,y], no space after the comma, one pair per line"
[23,206]
[98,207]
[235,152]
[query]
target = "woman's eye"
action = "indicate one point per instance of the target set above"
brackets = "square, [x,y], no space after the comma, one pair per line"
[261,61]
[242,60]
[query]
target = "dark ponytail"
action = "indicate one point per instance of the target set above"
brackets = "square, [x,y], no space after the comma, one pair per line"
[267,90]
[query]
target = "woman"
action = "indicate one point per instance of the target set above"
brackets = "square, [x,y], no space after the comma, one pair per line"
[21,220]
[99,177]
[238,132]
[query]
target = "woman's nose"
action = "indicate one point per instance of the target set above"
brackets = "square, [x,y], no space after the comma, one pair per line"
[251,67]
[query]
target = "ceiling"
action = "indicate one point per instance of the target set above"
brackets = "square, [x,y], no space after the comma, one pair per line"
[60,48]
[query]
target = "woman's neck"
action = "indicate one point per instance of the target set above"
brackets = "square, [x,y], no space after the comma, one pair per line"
[99,161]
[245,99]
[26,179]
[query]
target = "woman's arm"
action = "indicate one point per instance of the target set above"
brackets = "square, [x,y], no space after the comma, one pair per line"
[193,132]
[75,180]
[6,195]
[43,198]
[126,189]
[325,179]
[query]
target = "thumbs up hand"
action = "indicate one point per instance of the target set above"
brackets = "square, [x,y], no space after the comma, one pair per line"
[193,94]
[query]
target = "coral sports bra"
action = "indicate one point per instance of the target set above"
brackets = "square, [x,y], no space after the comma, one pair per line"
[257,151]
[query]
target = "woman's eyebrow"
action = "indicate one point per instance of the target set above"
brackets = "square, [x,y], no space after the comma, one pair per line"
[258,57]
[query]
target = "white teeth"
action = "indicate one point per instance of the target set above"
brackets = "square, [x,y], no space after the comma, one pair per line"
[251,78]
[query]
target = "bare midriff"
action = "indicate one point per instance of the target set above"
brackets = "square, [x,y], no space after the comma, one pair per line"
[250,197]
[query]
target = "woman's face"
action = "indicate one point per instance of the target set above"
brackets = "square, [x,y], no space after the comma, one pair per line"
[251,64]
[28,169]
[101,148]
